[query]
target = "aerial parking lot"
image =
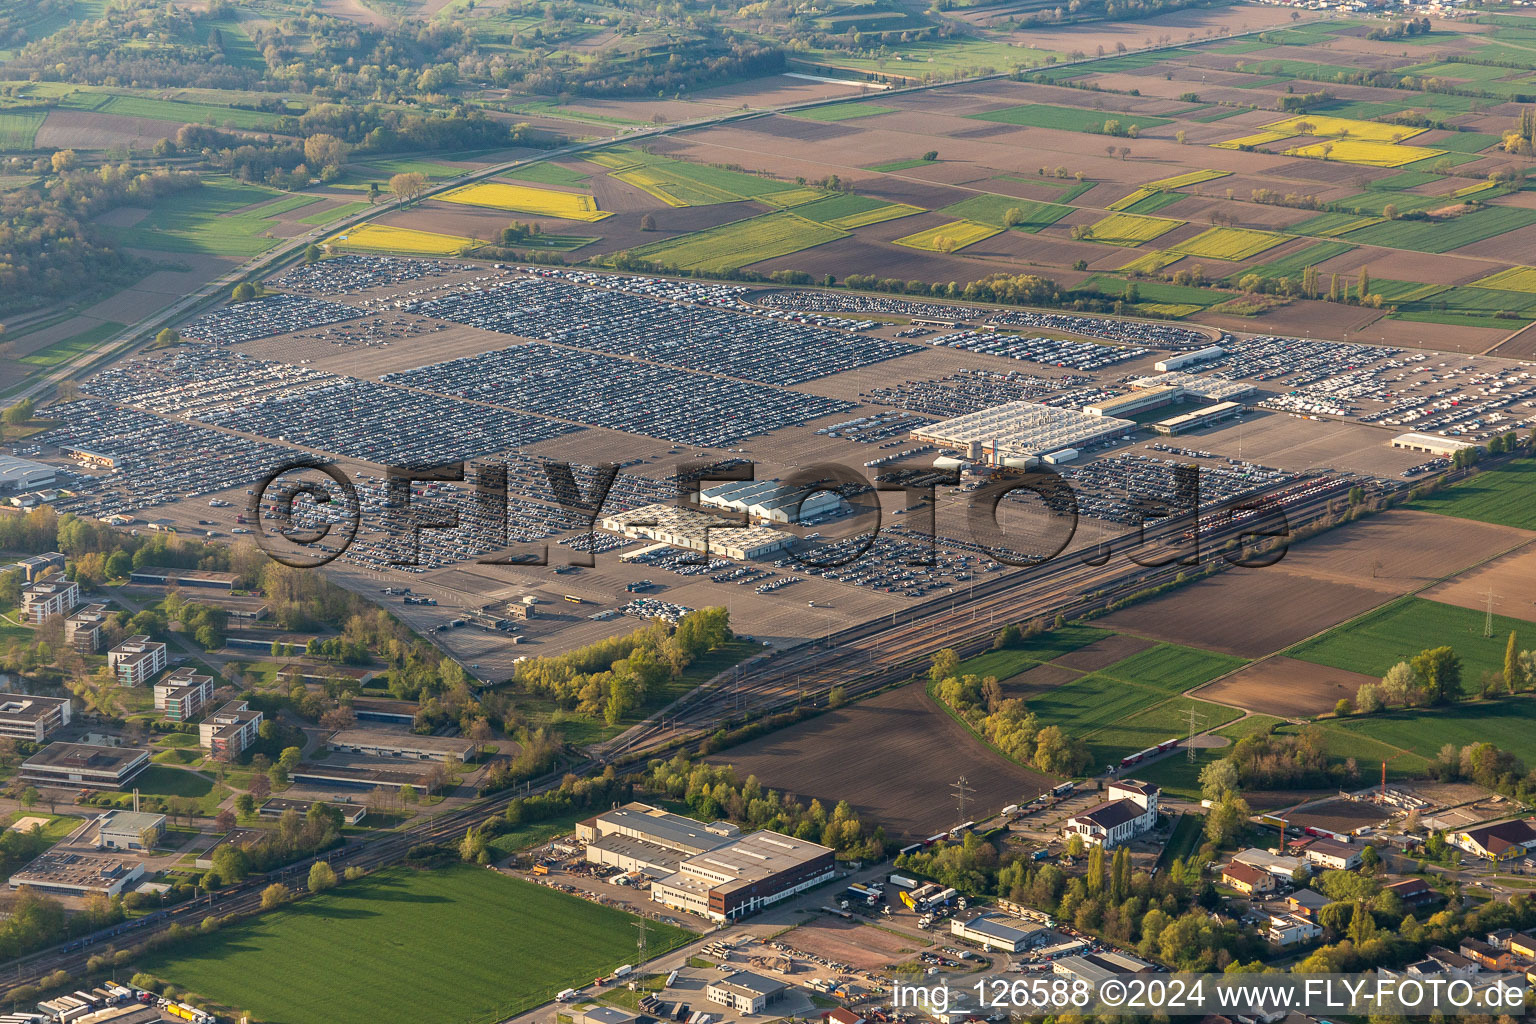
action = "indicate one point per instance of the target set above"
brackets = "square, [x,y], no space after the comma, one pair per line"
[506,368]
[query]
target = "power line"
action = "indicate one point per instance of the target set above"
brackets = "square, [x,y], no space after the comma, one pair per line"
[963,792]
[1193,718]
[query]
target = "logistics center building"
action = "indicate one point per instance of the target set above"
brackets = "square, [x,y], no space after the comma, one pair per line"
[744,876]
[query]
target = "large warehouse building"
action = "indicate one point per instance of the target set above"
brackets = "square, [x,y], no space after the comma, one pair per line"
[744,876]
[1444,447]
[1000,933]
[1194,385]
[1020,430]
[1137,401]
[639,837]
[1197,419]
[769,500]
[696,531]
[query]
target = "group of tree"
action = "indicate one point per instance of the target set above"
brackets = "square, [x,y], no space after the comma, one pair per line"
[614,676]
[715,791]
[296,836]
[51,247]
[1005,722]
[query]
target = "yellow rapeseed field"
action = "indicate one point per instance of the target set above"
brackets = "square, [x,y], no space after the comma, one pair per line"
[1230,243]
[1515,279]
[1367,154]
[1181,180]
[539,202]
[1130,229]
[1342,128]
[385,238]
[949,237]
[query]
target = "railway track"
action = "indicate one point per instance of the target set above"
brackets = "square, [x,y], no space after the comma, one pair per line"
[860,658]
[876,654]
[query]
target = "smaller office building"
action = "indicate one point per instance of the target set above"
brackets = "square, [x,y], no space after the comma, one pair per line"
[1246,880]
[1504,840]
[33,567]
[136,660]
[44,599]
[182,695]
[196,579]
[124,830]
[228,731]
[82,630]
[25,717]
[745,992]
[83,765]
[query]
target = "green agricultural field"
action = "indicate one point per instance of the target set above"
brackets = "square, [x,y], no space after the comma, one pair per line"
[205,220]
[842,111]
[1296,262]
[393,947]
[1405,179]
[1501,496]
[1170,668]
[1152,292]
[1377,640]
[679,183]
[18,129]
[1152,726]
[1071,119]
[851,210]
[546,173]
[1509,723]
[1467,142]
[189,113]
[1341,744]
[739,243]
[68,348]
[1070,188]
[1444,236]
[948,56]
[1037,650]
[335,213]
[1219,115]
[989,208]
[899,165]
[1466,300]
[1153,203]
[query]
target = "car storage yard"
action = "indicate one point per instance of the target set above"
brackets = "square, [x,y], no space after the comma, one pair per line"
[459,360]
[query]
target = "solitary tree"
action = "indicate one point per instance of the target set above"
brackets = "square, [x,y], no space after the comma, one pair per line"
[1511,664]
[275,895]
[1440,670]
[321,877]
